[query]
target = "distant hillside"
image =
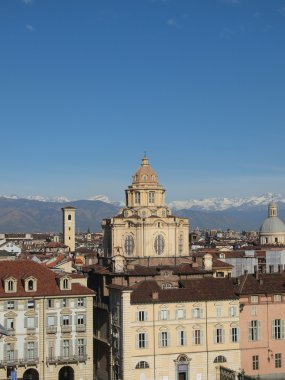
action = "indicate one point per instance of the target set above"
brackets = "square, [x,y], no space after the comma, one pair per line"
[24,215]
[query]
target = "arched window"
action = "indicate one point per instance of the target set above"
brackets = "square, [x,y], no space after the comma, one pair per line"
[65,283]
[10,285]
[159,244]
[220,359]
[31,285]
[69,217]
[142,364]
[129,245]
[137,197]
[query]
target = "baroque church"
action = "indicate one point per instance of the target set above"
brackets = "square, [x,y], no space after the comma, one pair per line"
[145,227]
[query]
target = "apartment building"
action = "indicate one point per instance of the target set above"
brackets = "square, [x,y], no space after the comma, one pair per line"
[49,320]
[179,333]
[262,318]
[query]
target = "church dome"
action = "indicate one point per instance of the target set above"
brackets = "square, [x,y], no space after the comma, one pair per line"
[272,225]
[145,174]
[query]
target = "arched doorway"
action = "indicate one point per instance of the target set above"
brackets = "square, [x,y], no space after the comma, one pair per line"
[182,367]
[31,374]
[66,373]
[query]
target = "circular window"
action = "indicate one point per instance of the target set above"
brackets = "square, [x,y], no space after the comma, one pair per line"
[159,244]
[129,245]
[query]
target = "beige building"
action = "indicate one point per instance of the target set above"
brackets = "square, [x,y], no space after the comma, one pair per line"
[145,227]
[49,320]
[178,333]
[69,227]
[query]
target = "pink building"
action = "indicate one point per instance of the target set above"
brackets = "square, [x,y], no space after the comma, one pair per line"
[262,315]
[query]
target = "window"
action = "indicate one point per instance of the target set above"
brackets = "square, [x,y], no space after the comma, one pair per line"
[50,303]
[234,332]
[10,286]
[31,350]
[166,285]
[151,197]
[31,323]
[255,362]
[141,316]
[278,329]
[164,339]
[30,285]
[254,330]
[218,311]
[80,302]
[65,283]
[81,347]
[159,244]
[129,244]
[278,360]
[164,315]
[10,352]
[51,321]
[253,310]
[137,197]
[142,364]
[219,335]
[31,304]
[180,244]
[64,302]
[180,314]
[142,341]
[69,217]
[10,305]
[277,298]
[65,348]
[81,319]
[10,324]
[65,320]
[197,336]
[220,359]
[197,312]
[181,338]
[254,299]
[233,311]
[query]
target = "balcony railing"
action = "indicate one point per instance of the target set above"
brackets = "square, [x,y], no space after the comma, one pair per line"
[66,328]
[11,362]
[80,328]
[51,329]
[66,359]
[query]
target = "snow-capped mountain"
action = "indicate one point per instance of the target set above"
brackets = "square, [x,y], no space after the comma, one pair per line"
[220,204]
[207,204]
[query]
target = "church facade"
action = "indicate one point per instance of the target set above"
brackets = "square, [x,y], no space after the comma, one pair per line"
[145,227]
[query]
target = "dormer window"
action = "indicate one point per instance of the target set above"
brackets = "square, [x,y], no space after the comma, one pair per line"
[10,285]
[65,283]
[30,284]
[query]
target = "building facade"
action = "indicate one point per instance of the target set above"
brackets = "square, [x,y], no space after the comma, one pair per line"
[49,320]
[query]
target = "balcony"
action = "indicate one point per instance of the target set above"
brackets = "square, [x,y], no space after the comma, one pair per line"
[66,359]
[13,361]
[80,328]
[51,329]
[66,328]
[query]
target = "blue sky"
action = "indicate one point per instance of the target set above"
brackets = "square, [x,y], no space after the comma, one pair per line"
[86,86]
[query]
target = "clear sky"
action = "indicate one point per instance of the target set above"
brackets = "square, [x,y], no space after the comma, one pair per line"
[86,86]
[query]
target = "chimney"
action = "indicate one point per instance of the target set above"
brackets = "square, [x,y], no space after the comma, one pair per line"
[208,262]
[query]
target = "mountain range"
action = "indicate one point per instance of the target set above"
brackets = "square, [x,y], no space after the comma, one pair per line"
[41,214]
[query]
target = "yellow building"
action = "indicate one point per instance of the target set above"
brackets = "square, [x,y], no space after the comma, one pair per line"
[145,227]
[68,214]
[49,320]
[183,333]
